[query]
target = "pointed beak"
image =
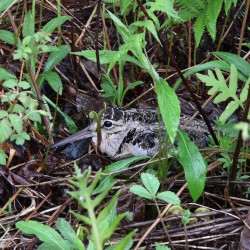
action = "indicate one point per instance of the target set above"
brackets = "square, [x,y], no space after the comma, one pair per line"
[83,134]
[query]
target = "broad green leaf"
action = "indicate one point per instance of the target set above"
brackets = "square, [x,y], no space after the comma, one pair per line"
[106,56]
[5,75]
[69,234]
[233,82]
[241,65]
[169,197]
[28,25]
[151,183]
[193,164]
[56,56]
[6,130]
[4,4]
[43,233]
[169,107]
[3,158]
[10,83]
[55,23]
[122,29]
[244,92]
[229,110]
[3,114]
[16,122]
[159,246]
[7,36]
[24,85]
[115,167]
[54,81]
[141,191]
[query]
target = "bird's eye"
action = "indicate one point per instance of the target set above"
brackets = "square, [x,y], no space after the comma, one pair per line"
[108,124]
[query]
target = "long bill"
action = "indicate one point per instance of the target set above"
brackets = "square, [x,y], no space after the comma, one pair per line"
[83,134]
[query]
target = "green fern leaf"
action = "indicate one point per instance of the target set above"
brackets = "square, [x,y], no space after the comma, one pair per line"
[199,27]
[212,11]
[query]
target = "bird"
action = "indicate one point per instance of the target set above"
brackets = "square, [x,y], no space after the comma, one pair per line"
[133,132]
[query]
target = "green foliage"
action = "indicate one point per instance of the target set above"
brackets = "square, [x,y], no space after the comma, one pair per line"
[98,228]
[150,191]
[193,164]
[19,106]
[65,239]
[205,12]
[161,247]
[3,158]
[219,84]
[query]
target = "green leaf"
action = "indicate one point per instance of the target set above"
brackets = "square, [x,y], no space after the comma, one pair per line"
[69,234]
[3,158]
[125,244]
[54,81]
[213,9]
[56,57]
[10,83]
[199,27]
[122,29]
[70,123]
[115,167]
[193,164]
[5,75]
[169,197]
[242,65]
[24,85]
[159,246]
[169,107]
[55,22]
[3,114]
[28,25]
[141,191]
[5,130]
[16,122]
[4,4]
[7,37]
[43,233]
[151,183]
[229,110]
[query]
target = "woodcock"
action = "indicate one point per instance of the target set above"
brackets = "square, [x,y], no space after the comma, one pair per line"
[133,132]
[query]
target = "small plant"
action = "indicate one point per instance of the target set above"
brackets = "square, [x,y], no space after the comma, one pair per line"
[150,190]
[98,228]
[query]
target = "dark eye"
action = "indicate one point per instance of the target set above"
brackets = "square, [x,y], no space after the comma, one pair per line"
[108,124]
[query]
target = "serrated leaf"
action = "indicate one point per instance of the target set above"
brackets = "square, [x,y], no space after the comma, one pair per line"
[54,81]
[169,107]
[10,83]
[16,122]
[43,233]
[199,27]
[55,22]
[151,183]
[3,114]
[193,164]
[141,191]
[5,130]
[169,197]
[3,158]
[24,85]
